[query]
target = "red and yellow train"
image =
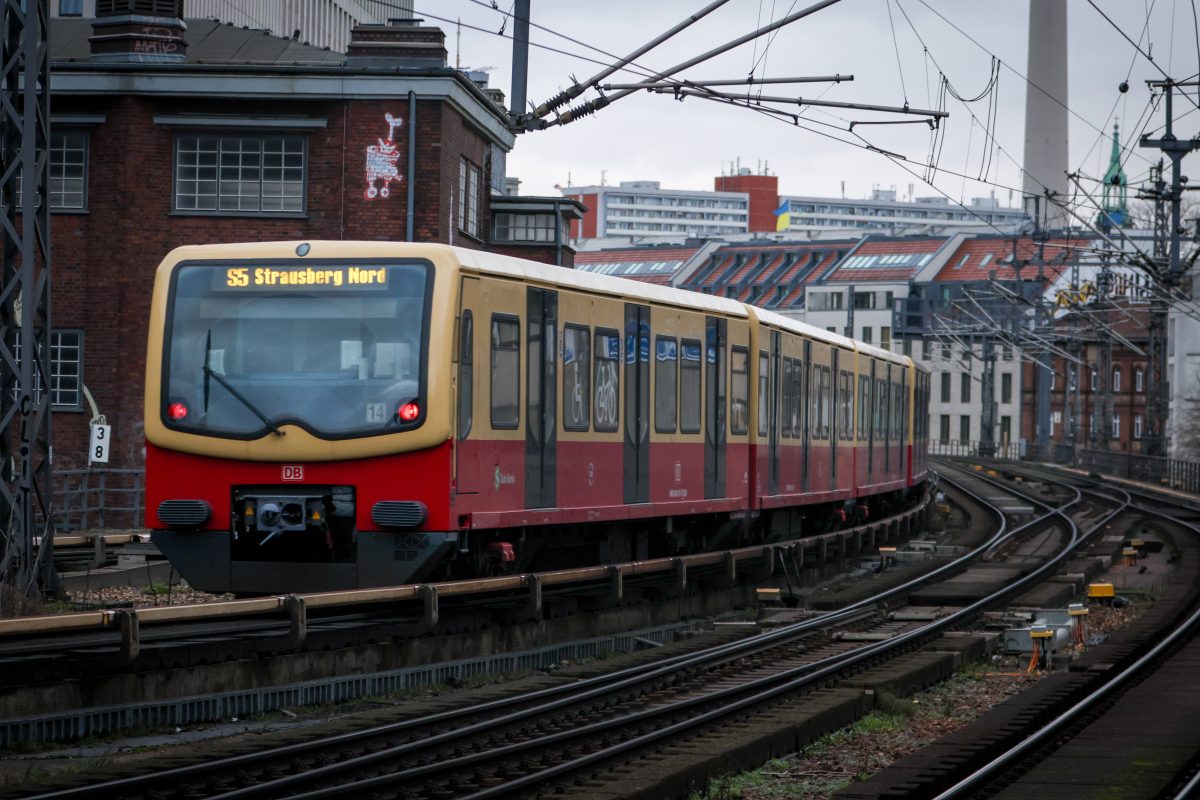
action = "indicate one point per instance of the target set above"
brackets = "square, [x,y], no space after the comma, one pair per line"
[329,415]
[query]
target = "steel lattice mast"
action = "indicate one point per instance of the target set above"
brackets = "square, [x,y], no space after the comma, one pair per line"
[26,560]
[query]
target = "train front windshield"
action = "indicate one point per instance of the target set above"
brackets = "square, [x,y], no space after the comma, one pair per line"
[335,348]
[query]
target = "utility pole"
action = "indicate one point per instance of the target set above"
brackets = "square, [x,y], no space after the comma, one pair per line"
[1168,263]
[26,525]
[520,74]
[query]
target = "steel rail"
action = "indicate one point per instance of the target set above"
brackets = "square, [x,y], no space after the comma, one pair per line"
[792,679]
[986,773]
[570,694]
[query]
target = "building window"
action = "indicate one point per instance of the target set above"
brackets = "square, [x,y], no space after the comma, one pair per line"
[1095,376]
[468,197]
[885,337]
[1139,380]
[964,428]
[1137,426]
[524,228]
[1005,430]
[67,171]
[945,387]
[1006,387]
[506,371]
[1116,426]
[1116,379]
[964,387]
[866,334]
[926,348]
[70,8]
[66,369]
[944,428]
[237,174]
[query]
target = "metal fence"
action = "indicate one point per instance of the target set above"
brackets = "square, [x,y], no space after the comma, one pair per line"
[1173,472]
[1007,451]
[85,499]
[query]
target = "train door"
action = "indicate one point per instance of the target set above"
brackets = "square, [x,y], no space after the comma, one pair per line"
[466,468]
[541,427]
[637,403]
[886,412]
[716,334]
[806,413]
[773,435]
[902,423]
[872,411]
[835,413]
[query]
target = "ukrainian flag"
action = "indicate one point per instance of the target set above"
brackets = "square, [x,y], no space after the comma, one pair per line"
[783,215]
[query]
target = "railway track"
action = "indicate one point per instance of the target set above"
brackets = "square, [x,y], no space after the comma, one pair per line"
[552,739]
[1119,722]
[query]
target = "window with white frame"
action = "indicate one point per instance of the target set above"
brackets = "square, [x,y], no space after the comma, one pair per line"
[224,174]
[468,197]
[67,171]
[1116,426]
[1137,426]
[1139,378]
[66,369]
[1116,379]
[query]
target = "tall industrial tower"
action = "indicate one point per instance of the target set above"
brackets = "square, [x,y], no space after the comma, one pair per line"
[1046,159]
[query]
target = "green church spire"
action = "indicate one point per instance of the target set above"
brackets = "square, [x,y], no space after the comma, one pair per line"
[1114,211]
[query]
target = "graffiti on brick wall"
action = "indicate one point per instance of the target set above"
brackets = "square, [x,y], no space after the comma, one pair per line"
[381,162]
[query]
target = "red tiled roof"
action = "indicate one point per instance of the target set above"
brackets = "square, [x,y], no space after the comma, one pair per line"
[975,251]
[872,275]
[890,247]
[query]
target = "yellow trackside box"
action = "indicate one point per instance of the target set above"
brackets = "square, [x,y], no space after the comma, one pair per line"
[1101,591]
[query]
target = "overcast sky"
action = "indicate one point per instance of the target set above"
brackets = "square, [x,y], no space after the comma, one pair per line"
[685,144]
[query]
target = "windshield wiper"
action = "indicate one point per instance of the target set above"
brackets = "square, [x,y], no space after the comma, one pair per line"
[210,373]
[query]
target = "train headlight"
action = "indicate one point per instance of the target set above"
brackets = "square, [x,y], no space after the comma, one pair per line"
[408,411]
[177,410]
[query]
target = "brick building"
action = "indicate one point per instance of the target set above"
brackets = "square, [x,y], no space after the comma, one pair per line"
[168,132]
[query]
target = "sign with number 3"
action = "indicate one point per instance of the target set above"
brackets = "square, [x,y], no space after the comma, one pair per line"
[98,444]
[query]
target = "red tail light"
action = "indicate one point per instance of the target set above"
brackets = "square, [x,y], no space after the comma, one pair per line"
[409,411]
[177,411]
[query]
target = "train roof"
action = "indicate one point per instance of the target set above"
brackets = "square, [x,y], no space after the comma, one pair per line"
[588,281]
[813,332]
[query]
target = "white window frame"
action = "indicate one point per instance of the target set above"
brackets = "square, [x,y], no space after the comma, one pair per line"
[246,174]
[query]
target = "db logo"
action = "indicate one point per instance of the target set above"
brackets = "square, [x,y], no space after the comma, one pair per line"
[293,472]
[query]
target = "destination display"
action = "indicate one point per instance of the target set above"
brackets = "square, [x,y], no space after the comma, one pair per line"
[358,277]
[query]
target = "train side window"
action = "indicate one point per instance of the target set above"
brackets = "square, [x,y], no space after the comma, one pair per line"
[787,422]
[506,371]
[577,377]
[739,391]
[607,360]
[880,408]
[798,399]
[825,415]
[666,380]
[864,405]
[466,374]
[689,385]
[846,403]
[764,384]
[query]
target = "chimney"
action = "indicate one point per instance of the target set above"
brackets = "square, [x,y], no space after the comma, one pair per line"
[402,42]
[146,31]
